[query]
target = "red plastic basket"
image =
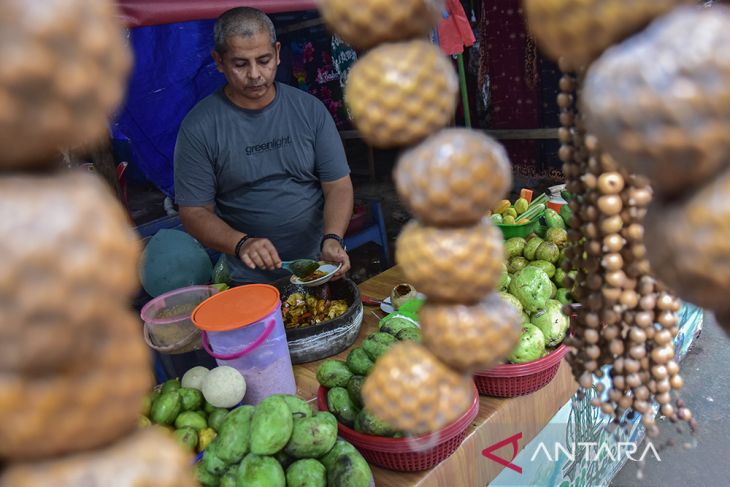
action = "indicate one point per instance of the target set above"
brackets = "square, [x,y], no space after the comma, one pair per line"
[408,454]
[512,380]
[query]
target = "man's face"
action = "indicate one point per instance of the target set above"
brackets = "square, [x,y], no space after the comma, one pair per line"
[249,65]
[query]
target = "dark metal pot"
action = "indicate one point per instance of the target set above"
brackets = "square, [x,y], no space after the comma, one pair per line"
[329,337]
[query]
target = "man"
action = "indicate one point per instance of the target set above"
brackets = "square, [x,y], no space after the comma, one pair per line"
[260,171]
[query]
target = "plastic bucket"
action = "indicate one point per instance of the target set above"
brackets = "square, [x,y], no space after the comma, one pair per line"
[243,328]
[168,326]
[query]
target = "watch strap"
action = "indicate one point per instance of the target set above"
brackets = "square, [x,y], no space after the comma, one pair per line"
[332,236]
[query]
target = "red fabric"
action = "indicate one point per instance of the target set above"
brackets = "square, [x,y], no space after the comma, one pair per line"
[136,13]
[455,31]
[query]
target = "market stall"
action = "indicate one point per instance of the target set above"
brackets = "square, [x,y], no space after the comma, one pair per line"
[497,419]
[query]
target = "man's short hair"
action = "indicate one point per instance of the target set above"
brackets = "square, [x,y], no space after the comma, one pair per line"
[241,21]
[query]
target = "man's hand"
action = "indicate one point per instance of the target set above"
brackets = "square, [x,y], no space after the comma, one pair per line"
[260,253]
[332,251]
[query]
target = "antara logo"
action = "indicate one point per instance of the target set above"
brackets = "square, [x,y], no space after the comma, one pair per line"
[512,440]
[590,451]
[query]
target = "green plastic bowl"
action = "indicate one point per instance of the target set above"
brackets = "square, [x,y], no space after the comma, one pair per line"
[523,230]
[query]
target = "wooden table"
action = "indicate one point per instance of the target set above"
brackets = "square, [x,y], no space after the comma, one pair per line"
[498,419]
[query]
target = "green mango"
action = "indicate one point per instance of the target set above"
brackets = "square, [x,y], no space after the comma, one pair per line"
[187,437]
[548,251]
[413,334]
[394,322]
[340,404]
[359,362]
[208,407]
[216,418]
[271,426]
[333,373]
[558,236]
[559,277]
[566,214]
[190,419]
[229,479]
[341,447]
[521,205]
[511,300]
[205,478]
[372,425]
[261,471]
[377,344]
[298,407]
[545,266]
[235,434]
[354,387]
[166,408]
[504,280]
[312,437]
[192,399]
[553,219]
[146,406]
[351,470]
[306,473]
[531,247]
[563,296]
[213,464]
[170,385]
[516,264]
[514,247]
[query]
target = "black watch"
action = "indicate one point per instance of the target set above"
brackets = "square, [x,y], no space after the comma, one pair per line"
[333,236]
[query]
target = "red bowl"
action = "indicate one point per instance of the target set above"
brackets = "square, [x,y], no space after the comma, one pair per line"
[408,454]
[512,380]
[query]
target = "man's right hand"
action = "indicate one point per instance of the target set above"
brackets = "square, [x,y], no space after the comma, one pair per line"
[260,253]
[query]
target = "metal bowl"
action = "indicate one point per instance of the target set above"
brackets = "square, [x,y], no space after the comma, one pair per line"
[329,337]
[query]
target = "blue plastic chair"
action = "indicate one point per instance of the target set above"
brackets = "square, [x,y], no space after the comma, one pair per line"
[374,233]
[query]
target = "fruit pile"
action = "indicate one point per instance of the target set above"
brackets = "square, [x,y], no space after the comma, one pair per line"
[183,408]
[524,210]
[403,93]
[344,379]
[280,442]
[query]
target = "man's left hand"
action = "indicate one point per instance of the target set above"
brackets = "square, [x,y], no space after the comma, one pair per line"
[332,251]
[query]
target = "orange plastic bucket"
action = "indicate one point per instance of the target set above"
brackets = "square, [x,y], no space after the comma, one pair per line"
[243,328]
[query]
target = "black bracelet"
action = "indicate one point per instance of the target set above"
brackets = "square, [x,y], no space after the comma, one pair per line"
[239,245]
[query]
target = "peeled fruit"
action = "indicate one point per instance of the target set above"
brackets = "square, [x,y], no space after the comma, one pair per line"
[472,337]
[150,458]
[579,30]
[193,378]
[400,93]
[62,75]
[410,389]
[670,124]
[50,415]
[689,247]
[372,22]
[469,259]
[224,387]
[454,177]
[67,257]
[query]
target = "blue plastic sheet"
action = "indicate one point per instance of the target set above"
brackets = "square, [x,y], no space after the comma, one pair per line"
[173,71]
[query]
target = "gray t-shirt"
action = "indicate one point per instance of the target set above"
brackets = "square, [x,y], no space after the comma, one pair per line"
[262,169]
